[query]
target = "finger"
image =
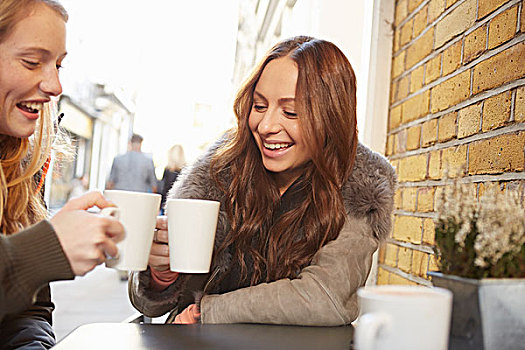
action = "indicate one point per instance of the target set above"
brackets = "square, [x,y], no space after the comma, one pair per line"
[109,248]
[160,249]
[161,236]
[113,228]
[162,223]
[88,200]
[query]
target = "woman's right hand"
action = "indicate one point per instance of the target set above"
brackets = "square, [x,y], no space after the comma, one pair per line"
[87,238]
[159,257]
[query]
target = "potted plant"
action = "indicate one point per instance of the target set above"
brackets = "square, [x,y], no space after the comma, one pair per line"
[480,250]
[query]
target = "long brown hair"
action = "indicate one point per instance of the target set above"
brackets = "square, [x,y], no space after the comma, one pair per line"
[325,103]
[22,158]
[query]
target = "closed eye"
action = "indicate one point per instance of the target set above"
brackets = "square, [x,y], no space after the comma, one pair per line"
[290,114]
[31,64]
[259,108]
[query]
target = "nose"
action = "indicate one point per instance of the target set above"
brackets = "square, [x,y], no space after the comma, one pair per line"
[50,83]
[270,122]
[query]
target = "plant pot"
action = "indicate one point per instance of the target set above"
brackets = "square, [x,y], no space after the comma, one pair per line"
[487,314]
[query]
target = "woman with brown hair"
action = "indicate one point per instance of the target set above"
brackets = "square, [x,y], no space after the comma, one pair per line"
[303,205]
[34,250]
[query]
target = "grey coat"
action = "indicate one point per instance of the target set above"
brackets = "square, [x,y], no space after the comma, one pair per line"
[324,293]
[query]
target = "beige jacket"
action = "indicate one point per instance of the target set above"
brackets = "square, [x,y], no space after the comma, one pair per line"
[324,293]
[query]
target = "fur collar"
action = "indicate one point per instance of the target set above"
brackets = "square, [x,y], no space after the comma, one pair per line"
[369,191]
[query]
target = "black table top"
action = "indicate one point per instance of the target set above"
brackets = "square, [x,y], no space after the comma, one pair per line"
[234,336]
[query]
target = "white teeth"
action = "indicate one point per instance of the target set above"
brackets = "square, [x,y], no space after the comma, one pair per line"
[276,145]
[33,105]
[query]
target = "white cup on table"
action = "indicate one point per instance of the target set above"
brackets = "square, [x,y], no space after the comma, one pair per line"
[138,213]
[191,234]
[403,317]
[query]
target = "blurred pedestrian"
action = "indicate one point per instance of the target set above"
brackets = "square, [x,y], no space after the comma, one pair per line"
[133,170]
[33,250]
[176,161]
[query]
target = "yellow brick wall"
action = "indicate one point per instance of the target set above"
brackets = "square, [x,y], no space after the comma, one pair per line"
[457,106]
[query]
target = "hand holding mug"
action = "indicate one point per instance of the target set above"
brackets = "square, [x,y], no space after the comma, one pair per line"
[86,237]
[159,257]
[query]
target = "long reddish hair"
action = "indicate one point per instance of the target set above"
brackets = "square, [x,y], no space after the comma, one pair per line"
[325,103]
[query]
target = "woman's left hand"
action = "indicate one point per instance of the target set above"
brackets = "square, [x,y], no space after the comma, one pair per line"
[159,257]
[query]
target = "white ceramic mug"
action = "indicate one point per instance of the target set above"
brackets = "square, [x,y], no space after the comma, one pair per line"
[138,213]
[403,317]
[191,231]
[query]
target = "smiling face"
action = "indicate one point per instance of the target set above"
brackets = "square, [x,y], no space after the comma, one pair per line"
[275,124]
[30,57]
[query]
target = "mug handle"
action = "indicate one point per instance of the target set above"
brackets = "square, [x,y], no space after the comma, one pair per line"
[367,329]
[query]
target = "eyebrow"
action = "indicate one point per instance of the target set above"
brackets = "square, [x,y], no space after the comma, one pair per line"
[281,100]
[39,50]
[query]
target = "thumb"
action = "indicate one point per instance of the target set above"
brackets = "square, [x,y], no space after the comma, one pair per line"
[88,200]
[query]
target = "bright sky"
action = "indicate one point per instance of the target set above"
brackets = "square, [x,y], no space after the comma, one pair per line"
[168,54]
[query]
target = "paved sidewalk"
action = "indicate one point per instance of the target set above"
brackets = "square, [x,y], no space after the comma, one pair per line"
[100,296]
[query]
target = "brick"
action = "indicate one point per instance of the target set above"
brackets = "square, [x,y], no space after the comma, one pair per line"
[432,263]
[452,58]
[390,145]
[397,34]
[413,137]
[406,32]
[401,141]
[487,6]
[382,276]
[456,22]
[412,4]
[425,200]
[413,168]
[398,199]
[415,107]
[447,127]
[496,111]
[503,27]
[402,90]
[429,133]
[434,165]
[381,254]
[408,229]
[398,280]
[395,117]
[420,48]
[502,68]
[451,92]
[391,255]
[435,8]
[519,105]
[401,11]
[428,231]
[419,263]
[469,119]
[420,21]
[475,44]
[416,79]
[433,69]
[398,64]
[451,2]
[454,160]
[409,199]
[522,19]
[496,155]
[404,259]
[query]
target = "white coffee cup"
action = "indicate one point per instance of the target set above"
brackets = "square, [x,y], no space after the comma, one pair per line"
[403,317]
[138,213]
[191,232]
